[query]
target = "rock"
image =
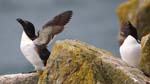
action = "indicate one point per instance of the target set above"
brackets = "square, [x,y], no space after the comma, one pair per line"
[75,62]
[137,12]
[144,61]
[143,19]
[28,78]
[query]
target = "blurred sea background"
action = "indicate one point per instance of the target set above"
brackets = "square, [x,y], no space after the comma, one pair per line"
[93,21]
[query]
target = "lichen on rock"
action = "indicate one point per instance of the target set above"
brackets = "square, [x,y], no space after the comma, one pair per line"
[126,11]
[143,19]
[137,12]
[75,62]
[144,60]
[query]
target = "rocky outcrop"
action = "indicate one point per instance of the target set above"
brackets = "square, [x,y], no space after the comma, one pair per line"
[30,78]
[144,60]
[75,62]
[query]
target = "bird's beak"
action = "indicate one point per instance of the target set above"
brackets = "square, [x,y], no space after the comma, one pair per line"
[20,20]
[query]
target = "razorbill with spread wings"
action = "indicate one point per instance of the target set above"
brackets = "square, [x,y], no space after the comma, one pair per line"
[34,47]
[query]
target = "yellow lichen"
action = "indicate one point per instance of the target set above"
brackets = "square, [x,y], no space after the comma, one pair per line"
[75,62]
[145,55]
[137,12]
[127,11]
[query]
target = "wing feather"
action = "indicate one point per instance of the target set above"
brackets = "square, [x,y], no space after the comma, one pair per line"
[53,27]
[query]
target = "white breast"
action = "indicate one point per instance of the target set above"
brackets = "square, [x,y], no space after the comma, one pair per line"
[28,49]
[130,51]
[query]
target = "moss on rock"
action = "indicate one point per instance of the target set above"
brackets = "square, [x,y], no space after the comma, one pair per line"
[137,12]
[144,61]
[75,62]
[143,19]
[127,11]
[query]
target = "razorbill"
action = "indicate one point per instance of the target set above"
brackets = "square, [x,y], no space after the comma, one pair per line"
[125,31]
[131,48]
[34,47]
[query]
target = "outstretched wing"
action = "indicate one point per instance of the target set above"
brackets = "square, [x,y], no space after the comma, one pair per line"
[53,27]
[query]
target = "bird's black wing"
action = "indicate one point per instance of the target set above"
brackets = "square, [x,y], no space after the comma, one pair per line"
[53,27]
[43,53]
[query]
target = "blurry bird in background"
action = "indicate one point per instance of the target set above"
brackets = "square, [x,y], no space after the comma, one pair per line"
[130,48]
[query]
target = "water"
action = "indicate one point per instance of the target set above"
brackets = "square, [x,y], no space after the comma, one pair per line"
[93,21]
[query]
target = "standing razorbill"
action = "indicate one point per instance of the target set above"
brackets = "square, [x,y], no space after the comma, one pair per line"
[125,31]
[34,47]
[130,49]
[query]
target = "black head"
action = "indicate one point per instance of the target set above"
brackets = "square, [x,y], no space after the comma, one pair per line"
[28,27]
[129,29]
[25,23]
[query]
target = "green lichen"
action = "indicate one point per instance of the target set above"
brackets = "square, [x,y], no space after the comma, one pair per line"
[144,61]
[137,12]
[143,18]
[127,11]
[75,62]
[112,75]
[72,65]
